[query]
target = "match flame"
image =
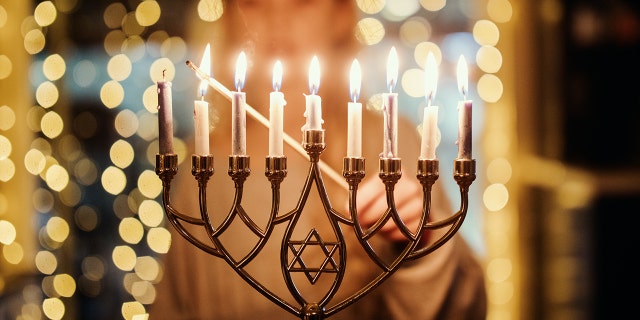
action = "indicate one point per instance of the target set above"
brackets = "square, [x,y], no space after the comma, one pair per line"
[314,75]
[463,76]
[241,71]
[392,69]
[205,66]
[277,76]
[355,80]
[431,78]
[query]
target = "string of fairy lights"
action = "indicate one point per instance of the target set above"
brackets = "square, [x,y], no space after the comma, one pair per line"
[71,176]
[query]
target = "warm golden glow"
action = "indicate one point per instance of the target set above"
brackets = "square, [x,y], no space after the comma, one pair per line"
[433,5]
[499,270]
[415,30]
[486,33]
[57,177]
[131,309]
[431,78]
[7,169]
[124,258]
[51,124]
[53,308]
[119,67]
[355,80]
[159,240]
[149,184]
[126,123]
[134,48]
[113,15]
[5,147]
[7,232]
[47,94]
[3,16]
[131,230]
[500,11]
[371,6]
[6,66]
[113,180]
[130,25]
[46,262]
[369,31]
[112,94]
[147,268]
[13,252]
[57,229]
[121,153]
[64,285]
[150,98]
[45,13]
[489,59]
[490,88]
[495,197]
[54,67]
[499,170]
[150,213]
[423,49]
[147,13]
[113,42]
[34,41]
[7,116]
[210,10]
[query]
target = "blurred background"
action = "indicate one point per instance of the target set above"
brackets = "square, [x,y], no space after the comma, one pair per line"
[82,232]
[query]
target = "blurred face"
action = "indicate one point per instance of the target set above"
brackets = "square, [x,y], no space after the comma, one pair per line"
[290,30]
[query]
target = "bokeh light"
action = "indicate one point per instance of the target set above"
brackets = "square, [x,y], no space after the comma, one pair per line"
[210,10]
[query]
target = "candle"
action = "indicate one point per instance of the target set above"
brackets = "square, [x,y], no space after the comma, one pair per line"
[165,116]
[276,121]
[464,112]
[430,117]
[201,109]
[390,108]
[354,131]
[313,111]
[238,112]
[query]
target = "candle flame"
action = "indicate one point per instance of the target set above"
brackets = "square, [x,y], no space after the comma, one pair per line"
[277,76]
[431,78]
[463,76]
[314,75]
[355,80]
[241,71]
[392,69]
[205,66]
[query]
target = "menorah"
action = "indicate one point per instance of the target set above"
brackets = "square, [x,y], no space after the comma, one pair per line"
[335,251]
[353,171]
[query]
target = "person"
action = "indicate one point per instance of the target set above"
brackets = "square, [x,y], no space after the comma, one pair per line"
[447,284]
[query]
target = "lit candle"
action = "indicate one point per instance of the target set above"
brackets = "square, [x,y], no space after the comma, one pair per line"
[313,111]
[390,108]
[276,104]
[165,116]
[430,117]
[238,112]
[201,109]
[354,131]
[464,112]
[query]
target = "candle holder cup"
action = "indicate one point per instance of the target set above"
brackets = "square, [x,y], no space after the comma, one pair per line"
[292,261]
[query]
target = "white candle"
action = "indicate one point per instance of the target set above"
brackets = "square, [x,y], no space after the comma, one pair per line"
[165,117]
[354,131]
[276,117]
[430,117]
[464,112]
[201,109]
[390,108]
[313,111]
[238,111]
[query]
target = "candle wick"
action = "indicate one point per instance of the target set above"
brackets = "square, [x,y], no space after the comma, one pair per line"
[163,72]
